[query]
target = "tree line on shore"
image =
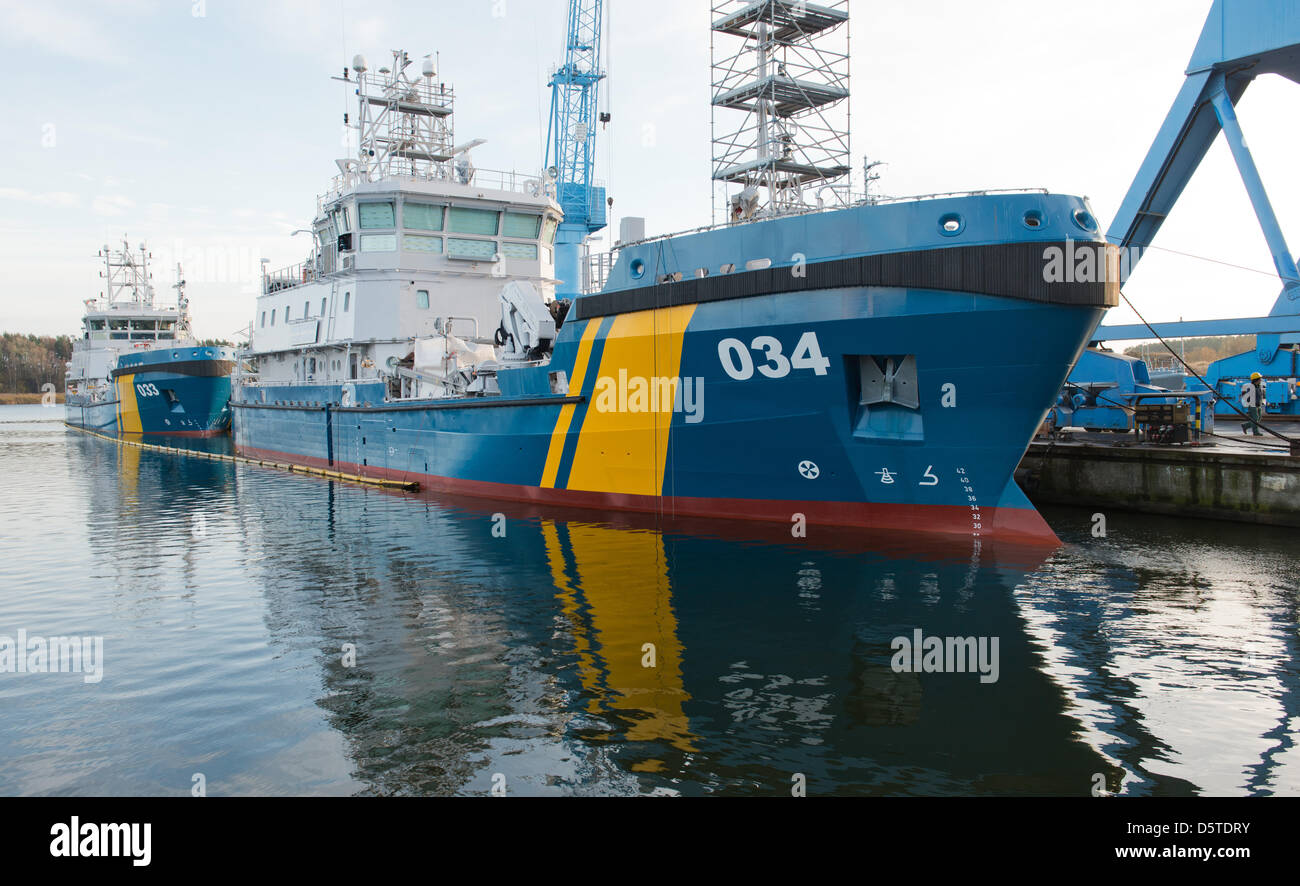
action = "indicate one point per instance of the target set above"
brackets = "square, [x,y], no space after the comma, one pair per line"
[29,361]
[1198,352]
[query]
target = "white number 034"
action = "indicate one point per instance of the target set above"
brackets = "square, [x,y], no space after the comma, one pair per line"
[739,361]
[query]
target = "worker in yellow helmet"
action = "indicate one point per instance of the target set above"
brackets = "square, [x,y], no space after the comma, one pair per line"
[1253,401]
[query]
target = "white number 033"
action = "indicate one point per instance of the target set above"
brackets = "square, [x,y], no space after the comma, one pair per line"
[767,356]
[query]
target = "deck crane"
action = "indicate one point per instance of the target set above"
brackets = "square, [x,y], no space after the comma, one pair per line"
[571,142]
[1241,40]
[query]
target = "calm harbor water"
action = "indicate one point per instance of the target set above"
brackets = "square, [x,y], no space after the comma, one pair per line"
[1160,660]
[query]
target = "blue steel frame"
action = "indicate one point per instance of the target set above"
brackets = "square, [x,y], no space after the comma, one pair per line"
[1241,40]
[574,109]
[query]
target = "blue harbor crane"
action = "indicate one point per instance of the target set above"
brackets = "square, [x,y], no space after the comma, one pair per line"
[1241,40]
[571,142]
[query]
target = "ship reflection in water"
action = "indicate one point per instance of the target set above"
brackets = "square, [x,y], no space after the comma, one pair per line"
[284,634]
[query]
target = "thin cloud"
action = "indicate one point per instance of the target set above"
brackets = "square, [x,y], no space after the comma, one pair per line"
[64,199]
[134,136]
[111,204]
[59,31]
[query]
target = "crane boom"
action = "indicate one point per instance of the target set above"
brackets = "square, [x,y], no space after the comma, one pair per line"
[571,142]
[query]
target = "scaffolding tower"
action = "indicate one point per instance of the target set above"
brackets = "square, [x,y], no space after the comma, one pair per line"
[780,105]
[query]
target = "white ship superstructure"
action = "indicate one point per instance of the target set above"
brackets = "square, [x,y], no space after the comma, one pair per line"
[136,369]
[412,246]
[123,319]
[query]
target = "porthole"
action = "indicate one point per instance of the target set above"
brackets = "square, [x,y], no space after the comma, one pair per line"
[951,224]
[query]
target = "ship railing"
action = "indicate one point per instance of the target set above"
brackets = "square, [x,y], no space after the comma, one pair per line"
[598,266]
[319,382]
[532,184]
[288,278]
[878,200]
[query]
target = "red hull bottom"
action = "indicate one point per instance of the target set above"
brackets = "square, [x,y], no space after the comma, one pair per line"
[1019,525]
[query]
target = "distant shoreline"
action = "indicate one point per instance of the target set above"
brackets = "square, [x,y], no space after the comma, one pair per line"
[25,399]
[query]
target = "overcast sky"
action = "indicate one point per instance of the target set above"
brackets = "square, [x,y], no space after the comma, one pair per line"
[207,127]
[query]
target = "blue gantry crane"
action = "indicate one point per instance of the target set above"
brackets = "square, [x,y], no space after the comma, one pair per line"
[1241,40]
[571,142]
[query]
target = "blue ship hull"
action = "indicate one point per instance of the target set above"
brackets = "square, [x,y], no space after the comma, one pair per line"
[180,393]
[771,417]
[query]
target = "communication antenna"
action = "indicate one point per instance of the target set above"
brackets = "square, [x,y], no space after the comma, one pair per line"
[404,123]
[870,177]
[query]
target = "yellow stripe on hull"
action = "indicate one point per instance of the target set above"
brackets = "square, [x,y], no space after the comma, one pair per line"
[561,432]
[128,407]
[623,444]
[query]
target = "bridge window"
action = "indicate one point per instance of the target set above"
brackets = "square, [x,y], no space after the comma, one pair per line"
[375,215]
[378,242]
[322,307]
[472,221]
[421,243]
[272,318]
[520,225]
[264,319]
[286,313]
[549,237]
[347,301]
[520,250]
[422,299]
[422,216]
[475,249]
[306,309]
